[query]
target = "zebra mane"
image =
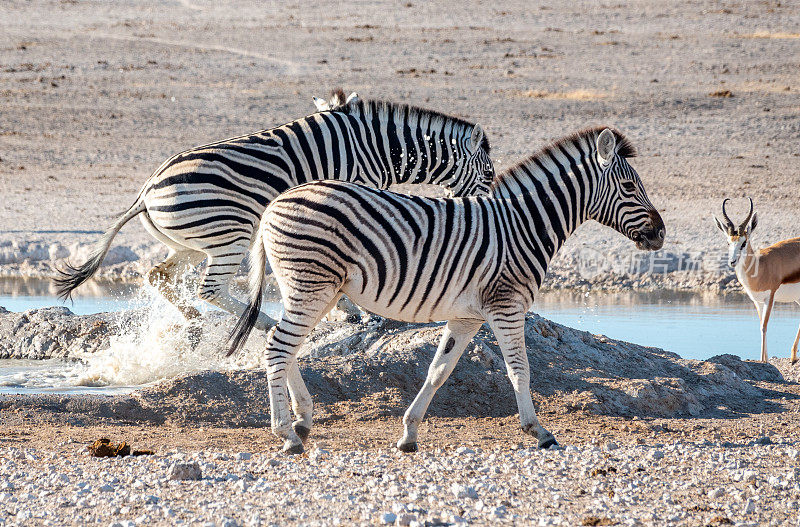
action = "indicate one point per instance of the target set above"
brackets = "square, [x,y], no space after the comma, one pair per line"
[385,110]
[624,148]
[337,98]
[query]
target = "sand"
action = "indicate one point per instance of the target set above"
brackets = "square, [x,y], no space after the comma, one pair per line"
[95,96]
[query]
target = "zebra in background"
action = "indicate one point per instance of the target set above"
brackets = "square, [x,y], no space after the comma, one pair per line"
[337,99]
[415,259]
[205,203]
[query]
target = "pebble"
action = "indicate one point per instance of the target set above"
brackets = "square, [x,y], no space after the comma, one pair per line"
[185,471]
[519,486]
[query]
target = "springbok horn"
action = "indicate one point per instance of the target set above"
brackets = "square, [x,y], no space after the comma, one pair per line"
[743,226]
[725,215]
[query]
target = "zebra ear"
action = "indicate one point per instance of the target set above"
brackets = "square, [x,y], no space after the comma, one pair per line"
[476,139]
[353,97]
[606,143]
[321,104]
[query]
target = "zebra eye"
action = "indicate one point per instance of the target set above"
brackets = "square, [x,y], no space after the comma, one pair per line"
[629,186]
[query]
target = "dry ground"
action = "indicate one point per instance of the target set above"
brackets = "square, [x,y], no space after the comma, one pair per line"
[95,95]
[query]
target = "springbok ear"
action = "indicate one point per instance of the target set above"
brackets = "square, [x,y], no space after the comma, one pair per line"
[353,97]
[606,143]
[321,104]
[753,222]
[720,226]
[477,137]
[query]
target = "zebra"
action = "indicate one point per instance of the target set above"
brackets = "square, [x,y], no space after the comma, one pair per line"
[415,259]
[205,203]
[337,99]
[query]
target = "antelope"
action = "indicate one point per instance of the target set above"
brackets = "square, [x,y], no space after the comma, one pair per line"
[767,275]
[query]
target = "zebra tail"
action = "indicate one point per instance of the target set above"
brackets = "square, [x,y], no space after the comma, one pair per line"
[70,276]
[257,281]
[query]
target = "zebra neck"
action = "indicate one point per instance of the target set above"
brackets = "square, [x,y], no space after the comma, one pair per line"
[425,154]
[545,207]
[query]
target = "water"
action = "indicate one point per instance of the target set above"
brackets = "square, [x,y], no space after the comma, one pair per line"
[21,294]
[694,326]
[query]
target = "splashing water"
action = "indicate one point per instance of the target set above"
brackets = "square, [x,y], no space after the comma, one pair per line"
[153,344]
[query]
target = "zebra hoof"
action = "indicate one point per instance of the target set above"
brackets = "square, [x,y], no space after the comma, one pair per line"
[547,441]
[408,447]
[292,449]
[301,431]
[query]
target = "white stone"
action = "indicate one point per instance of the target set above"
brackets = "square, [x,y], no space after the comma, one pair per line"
[405,519]
[185,471]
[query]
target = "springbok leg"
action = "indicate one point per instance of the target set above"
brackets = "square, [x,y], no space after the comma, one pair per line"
[794,346]
[764,322]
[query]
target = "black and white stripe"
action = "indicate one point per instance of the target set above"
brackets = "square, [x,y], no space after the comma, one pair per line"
[465,260]
[205,203]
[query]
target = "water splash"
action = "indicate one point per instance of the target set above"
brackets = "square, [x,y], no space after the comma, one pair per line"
[154,344]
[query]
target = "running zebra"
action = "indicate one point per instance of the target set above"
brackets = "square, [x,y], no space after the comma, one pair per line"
[415,259]
[205,203]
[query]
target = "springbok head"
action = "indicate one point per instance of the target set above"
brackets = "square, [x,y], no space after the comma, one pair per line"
[737,236]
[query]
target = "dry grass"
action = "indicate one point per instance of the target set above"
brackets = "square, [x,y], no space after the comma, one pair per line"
[575,95]
[776,35]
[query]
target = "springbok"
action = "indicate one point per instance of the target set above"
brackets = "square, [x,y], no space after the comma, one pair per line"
[768,275]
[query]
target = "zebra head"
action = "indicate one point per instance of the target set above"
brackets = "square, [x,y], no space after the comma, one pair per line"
[475,174]
[621,201]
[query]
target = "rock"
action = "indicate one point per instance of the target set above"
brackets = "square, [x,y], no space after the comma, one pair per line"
[749,506]
[405,519]
[612,446]
[749,475]
[656,455]
[389,518]
[462,491]
[244,456]
[185,471]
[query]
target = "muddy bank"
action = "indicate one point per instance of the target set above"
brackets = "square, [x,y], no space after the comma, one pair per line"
[375,370]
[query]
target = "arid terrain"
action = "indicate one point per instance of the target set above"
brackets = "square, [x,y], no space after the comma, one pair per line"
[95,95]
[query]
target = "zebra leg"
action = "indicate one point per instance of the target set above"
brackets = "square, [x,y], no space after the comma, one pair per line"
[302,403]
[510,333]
[301,314]
[457,334]
[166,276]
[215,284]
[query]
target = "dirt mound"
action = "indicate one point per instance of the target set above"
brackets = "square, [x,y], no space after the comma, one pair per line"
[375,369]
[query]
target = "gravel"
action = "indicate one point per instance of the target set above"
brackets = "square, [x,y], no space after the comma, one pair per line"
[692,484]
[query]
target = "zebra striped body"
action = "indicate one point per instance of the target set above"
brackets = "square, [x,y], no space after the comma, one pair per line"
[205,203]
[465,260]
